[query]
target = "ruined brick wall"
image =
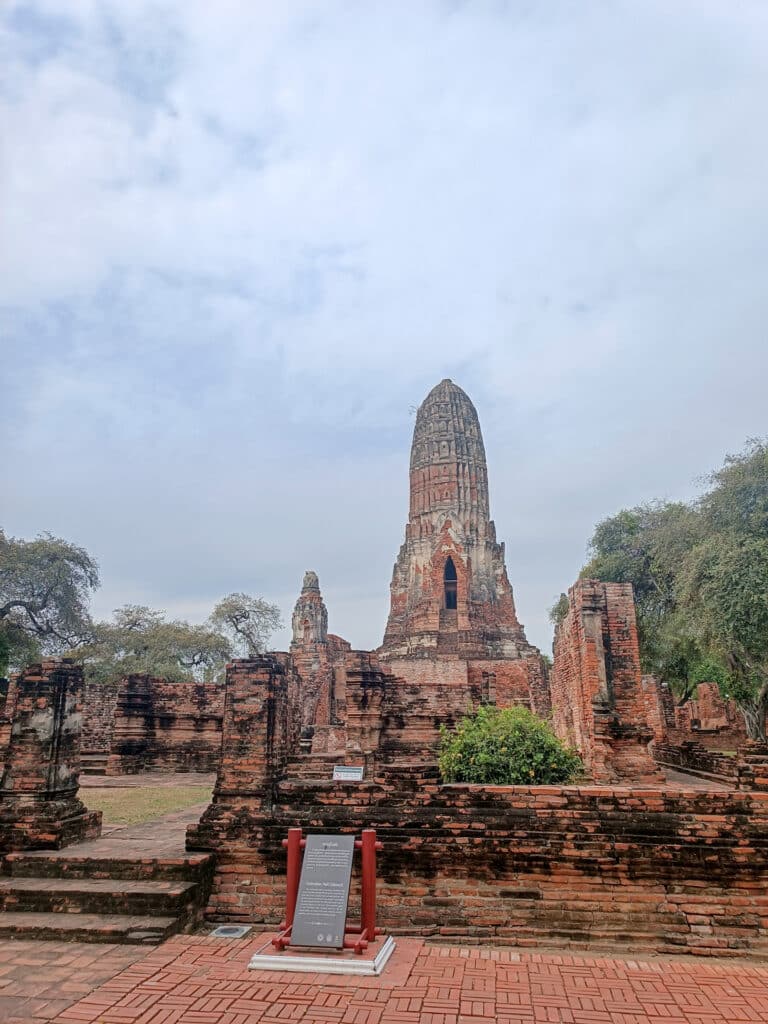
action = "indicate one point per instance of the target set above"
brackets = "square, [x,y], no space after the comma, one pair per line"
[99,707]
[657,869]
[166,726]
[710,720]
[689,756]
[659,706]
[649,870]
[39,806]
[598,701]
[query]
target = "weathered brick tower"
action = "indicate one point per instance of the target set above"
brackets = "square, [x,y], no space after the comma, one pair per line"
[451,600]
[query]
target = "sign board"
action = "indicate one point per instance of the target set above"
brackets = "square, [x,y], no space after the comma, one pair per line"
[347,773]
[321,907]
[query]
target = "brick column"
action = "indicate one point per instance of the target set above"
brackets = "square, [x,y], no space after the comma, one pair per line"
[254,752]
[597,692]
[38,792]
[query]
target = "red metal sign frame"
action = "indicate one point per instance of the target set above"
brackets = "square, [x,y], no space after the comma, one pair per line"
[366,931]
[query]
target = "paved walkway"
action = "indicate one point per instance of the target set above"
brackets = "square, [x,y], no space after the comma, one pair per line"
[160,838]
[200,980]
[40,979]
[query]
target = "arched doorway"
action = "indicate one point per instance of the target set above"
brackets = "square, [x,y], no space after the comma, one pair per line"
[449,583]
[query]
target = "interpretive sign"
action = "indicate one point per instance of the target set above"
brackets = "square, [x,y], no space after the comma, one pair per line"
[347,773]
[321,906]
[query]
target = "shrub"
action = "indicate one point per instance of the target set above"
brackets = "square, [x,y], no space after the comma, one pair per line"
[505,747]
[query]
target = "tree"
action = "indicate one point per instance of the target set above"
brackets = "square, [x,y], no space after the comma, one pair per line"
[140,640]
[725,582]
[724,579]
[249,622]
[644,546]
[45,587]
[700,574]
[505,747]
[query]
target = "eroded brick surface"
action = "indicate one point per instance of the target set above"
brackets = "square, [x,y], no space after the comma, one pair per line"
[168,726]
[453,628]
[39,806]
[599,703]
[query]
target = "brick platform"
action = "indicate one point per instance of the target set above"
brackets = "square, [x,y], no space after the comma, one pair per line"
[199,980]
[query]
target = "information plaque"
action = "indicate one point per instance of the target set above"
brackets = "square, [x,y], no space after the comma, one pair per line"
[347,773]
[321,907]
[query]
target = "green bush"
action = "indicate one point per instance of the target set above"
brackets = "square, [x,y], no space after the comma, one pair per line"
[505,747]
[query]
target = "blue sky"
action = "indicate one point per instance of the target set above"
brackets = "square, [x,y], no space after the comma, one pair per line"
[241,242]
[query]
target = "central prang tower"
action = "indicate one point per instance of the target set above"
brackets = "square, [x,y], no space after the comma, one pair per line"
[450,596]
[450,591]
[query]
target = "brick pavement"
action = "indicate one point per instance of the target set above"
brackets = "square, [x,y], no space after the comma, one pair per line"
[40,979]
[199,980]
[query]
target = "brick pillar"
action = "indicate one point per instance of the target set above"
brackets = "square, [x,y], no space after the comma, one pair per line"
[38,792]
[597,692]
[257,733]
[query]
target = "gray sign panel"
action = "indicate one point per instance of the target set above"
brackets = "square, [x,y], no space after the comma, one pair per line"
[347,773]
[321,907]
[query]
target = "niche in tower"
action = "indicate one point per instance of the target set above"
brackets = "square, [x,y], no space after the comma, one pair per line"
[449,583]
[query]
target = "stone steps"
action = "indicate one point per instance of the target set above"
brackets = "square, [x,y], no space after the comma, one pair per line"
[106,890]
[129,868]
[155,898]
[72,927]
[312,767]
[93,764]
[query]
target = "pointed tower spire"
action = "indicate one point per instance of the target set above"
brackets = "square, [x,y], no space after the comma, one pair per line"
[450,591]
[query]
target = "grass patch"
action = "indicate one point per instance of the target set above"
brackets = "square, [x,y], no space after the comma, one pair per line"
[132,805]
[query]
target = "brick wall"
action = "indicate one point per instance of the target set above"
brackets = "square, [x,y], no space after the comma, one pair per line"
[167,726]
[99,706]
[598,700]
[689,756]
[708,718]
[667,871]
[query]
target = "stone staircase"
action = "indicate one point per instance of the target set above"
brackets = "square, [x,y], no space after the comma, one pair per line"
[94,763]
[133,885]
[312,767]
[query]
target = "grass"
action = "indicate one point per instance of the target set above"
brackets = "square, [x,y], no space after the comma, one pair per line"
[131,806]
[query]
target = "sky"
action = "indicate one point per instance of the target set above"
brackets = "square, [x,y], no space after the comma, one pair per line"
[240,242]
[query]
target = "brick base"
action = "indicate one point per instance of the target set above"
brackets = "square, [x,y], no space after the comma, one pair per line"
[46,825]
[647,869]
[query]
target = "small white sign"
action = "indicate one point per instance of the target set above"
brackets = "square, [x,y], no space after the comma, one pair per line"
[347,773]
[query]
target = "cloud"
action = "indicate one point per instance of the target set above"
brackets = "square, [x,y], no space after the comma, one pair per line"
[239,243]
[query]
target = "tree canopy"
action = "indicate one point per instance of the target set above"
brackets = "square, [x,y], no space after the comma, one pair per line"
[141,640]
[45,588]
[247,621]
[700,576]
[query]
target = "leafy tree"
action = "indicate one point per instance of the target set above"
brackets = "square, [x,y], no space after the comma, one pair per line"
[140,640]
[644,546]
[249,622]
[700,574]
[726,587]
[725,579]
[45,586]
[506,747]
